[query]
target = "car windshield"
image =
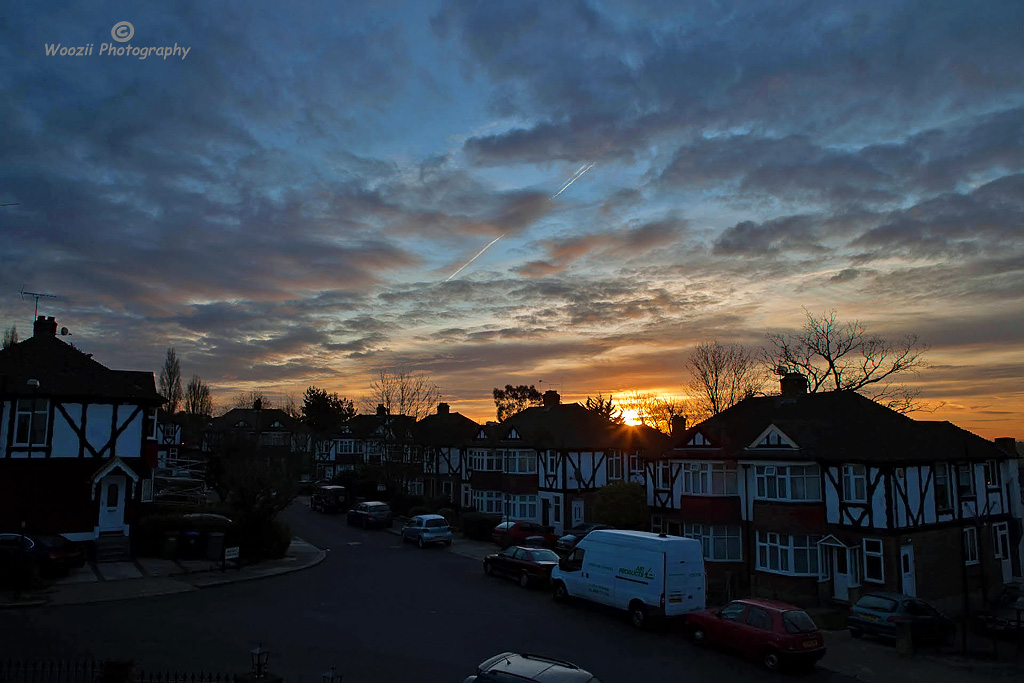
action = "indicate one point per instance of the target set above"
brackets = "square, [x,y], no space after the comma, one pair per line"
[543,556]
[436,523]
[378,508]
[797,621]
[877,602]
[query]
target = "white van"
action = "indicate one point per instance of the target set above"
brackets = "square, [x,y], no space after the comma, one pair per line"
[649,575]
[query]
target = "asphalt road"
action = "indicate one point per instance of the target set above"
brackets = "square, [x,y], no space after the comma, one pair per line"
[376,609]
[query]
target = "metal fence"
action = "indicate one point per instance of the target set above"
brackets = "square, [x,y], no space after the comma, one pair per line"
[92,671]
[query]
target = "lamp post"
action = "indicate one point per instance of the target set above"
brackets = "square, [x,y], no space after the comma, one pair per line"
[259,661]
[331,676]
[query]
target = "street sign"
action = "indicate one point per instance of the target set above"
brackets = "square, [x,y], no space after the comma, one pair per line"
[231,553]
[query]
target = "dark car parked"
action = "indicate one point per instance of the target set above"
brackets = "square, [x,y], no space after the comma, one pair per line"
[576,534]
[524,533]
[328,498]
[527,565]
[510,666]
[774,633]
[372,513]
[46,554]
[1005,616]
[888,615]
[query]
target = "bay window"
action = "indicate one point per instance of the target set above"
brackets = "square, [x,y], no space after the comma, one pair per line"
[794,555]
[788,482]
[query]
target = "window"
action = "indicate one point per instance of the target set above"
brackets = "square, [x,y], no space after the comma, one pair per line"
[614,465]
[705,478]
[1001,540]
[556,509]
[785,554]
[855,484]
[488,501]
[720,542]
[636,472]
[758,618]
[657,523]
[523,507]
[346,446]
[486,460]
[674,528]
[943,492]
[970,545]
[990,471]
[414,487]
[874,567]
[664,475]
[773,440]
[733,612]
[447,491]
[552,468]
[788,482]
[521,462]
[965,480]
[30,418]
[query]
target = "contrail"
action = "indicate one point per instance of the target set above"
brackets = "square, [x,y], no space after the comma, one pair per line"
[474,258]
[572,180]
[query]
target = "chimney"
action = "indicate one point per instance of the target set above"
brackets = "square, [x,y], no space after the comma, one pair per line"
[381,410]
[793,384]
[44,327]
[678,425]
[551,398]
[442,408]
[1008,444]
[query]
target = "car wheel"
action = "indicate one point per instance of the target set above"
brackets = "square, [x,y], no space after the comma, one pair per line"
[488,569]
[698,635]
[856,633]
[771,660]
[524,580]
[420,542]
[560,593]
[638,614]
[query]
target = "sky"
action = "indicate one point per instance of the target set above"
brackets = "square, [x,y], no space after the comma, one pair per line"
[289,202]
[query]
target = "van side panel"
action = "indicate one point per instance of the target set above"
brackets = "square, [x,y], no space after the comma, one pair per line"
[639,575]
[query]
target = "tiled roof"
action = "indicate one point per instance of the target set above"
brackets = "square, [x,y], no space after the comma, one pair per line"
[66,372]
[833,426]
[267,417]
[445,429]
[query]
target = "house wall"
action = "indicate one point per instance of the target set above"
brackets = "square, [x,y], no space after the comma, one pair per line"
[797,590]
[789,518]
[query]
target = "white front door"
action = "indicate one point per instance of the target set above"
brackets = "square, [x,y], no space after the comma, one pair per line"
[1001,538]
[840,573]
[577,512]
[113,488]
[909,577]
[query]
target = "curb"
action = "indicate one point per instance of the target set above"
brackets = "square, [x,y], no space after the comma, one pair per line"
[320,557]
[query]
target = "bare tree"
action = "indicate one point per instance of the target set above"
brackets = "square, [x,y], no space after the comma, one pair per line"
[722,375]
[656,411]
[842,356]
[247,399]
[197,398]
[402,393]
[10,337]
[291,407]
[170,381]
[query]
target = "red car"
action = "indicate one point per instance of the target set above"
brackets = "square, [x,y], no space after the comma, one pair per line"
[527,565]
[524,533]
[774,633]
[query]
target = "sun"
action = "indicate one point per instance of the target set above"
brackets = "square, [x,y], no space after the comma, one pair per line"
[631,416]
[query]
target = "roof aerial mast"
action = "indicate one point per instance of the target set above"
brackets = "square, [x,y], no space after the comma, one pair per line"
[38,296]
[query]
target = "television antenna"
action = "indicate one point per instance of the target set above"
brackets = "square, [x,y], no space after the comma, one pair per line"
[38,296]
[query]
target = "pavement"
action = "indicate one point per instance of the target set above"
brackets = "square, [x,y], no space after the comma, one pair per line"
[145,577]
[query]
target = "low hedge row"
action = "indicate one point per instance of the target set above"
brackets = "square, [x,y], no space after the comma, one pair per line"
[479,525]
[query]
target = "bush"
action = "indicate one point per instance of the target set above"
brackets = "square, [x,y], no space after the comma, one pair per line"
[479,525]
[150,532]
[448,514]
[264,540]
[419,510]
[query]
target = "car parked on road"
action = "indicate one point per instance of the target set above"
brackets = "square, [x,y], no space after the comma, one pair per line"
[328,498]
[1005,616]
[524,533]
[427,529]
[48,555]
[510,666]
[576,534]
[527,565]
[888,615]
[371,513]
[774,633]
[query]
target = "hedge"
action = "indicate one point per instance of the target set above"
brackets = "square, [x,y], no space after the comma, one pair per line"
[479,525]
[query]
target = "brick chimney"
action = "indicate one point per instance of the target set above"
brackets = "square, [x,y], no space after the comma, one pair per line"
[442,409]
[678,425]
[793,384]
[551,398]
[1008,444]
[44,327]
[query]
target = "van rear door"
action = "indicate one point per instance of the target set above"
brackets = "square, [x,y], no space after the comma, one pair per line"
[684,580]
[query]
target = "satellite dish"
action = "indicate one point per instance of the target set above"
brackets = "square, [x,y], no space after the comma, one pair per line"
[64,332]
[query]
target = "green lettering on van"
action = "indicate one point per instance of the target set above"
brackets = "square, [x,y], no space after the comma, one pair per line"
[641,572]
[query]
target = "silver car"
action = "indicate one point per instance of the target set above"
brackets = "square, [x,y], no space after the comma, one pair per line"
[427,529]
